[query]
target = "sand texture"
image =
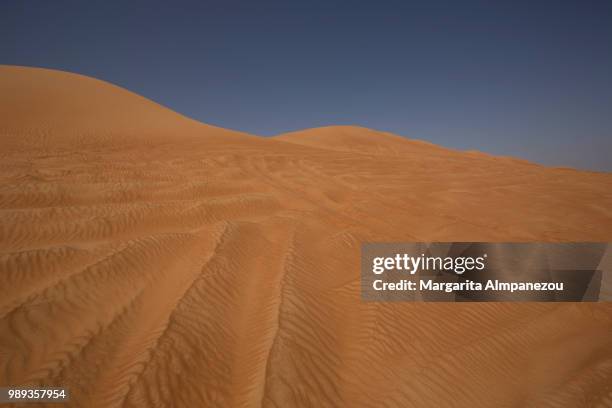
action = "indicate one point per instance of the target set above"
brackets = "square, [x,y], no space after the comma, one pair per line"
[149,260]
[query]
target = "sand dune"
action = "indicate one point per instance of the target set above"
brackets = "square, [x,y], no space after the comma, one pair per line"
[150,260]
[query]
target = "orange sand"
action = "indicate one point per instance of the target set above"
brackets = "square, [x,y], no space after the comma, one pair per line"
[147,259]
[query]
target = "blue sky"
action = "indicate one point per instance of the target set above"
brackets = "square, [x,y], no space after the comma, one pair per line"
[526,79]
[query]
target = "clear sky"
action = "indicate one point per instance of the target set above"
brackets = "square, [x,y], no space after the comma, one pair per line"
[530,79]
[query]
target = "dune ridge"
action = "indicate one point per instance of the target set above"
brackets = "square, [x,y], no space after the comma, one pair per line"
[147,259]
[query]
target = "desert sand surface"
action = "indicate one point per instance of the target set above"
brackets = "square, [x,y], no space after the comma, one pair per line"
[149,260]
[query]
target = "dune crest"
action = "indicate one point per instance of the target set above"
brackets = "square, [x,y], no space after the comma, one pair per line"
[147,259]
[359,139]
[47,109]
